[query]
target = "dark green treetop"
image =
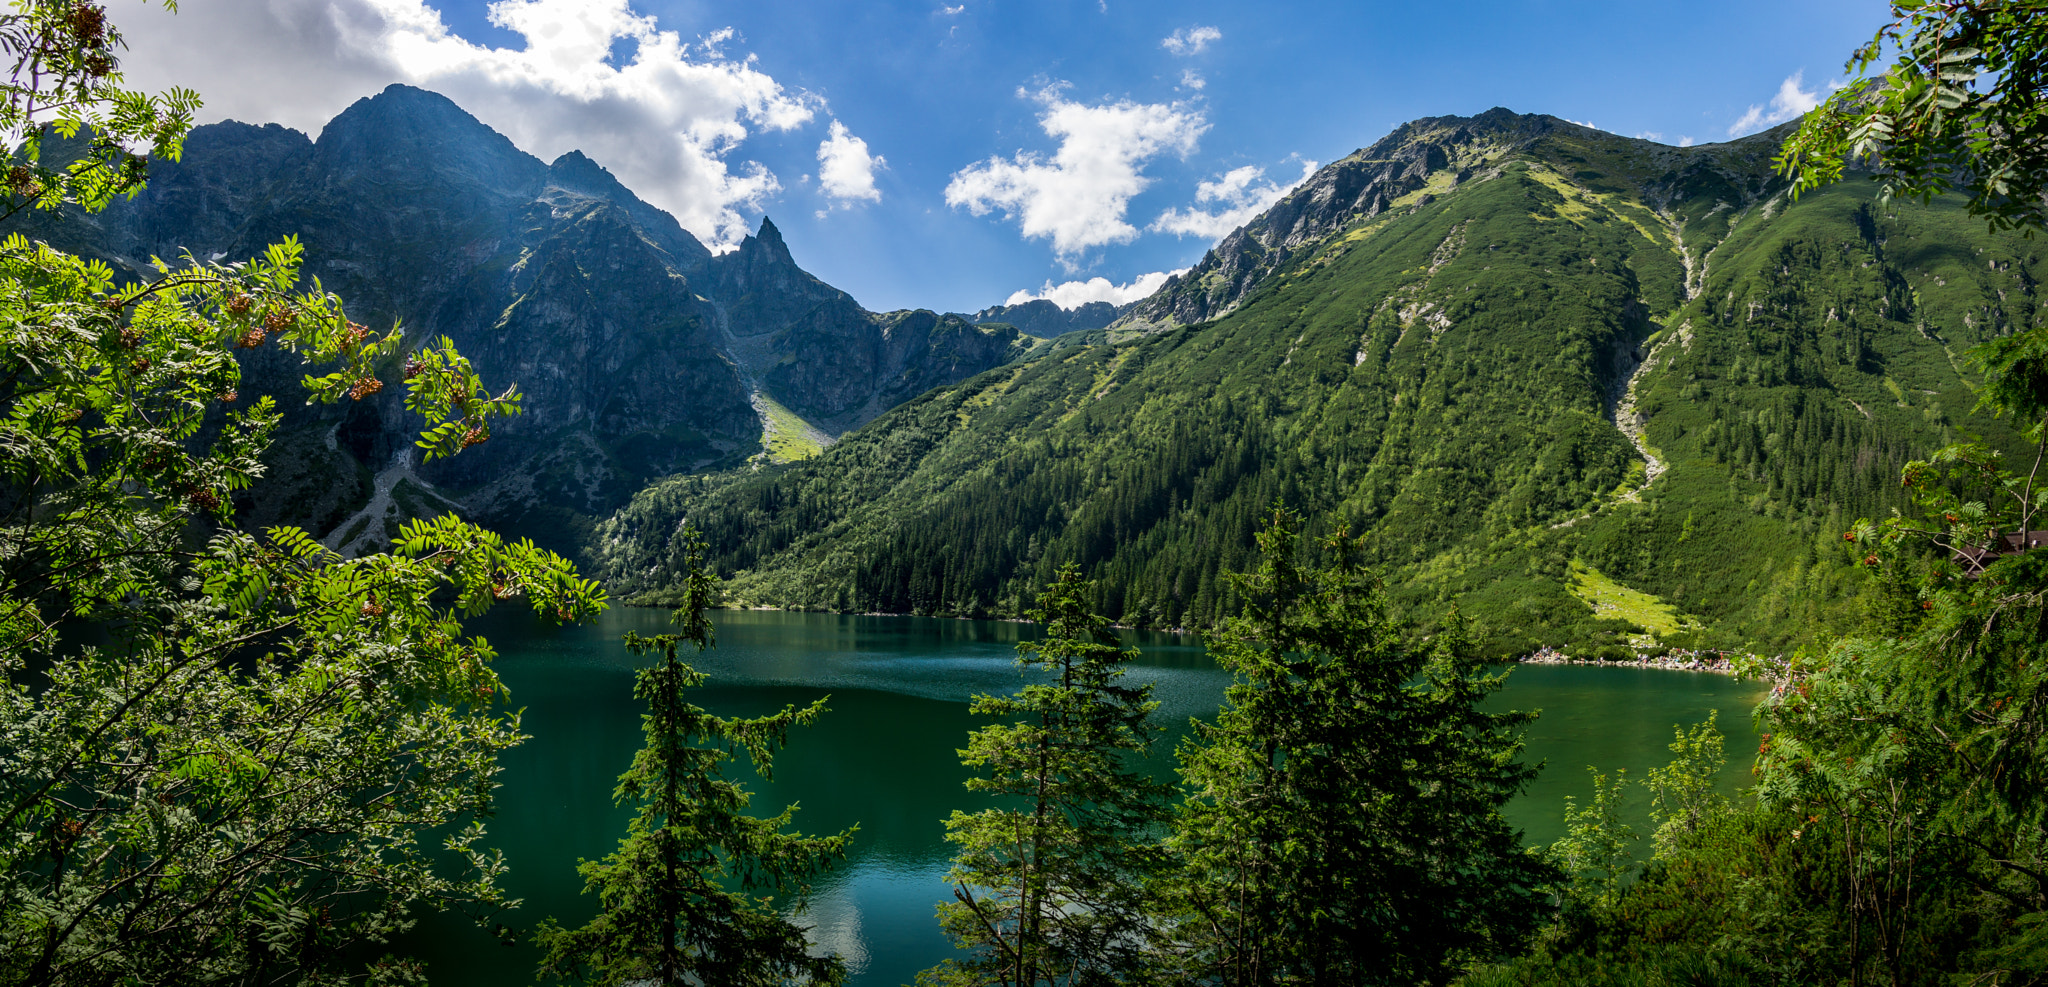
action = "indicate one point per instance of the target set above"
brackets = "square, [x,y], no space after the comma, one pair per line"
[677,902]
[1343,823]
[1050,887]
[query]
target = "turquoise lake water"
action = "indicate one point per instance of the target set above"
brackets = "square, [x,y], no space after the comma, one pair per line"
[885,757]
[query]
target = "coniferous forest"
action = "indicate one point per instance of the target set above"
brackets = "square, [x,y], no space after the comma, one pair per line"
[1404,427]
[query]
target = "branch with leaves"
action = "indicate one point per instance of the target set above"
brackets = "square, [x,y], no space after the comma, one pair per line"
[244,758]
[1962,108]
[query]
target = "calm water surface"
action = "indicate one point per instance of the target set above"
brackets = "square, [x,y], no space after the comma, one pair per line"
[885,757]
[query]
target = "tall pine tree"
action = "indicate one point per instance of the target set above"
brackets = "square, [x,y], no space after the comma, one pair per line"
[678,902]
[1343,819]
[1051,887]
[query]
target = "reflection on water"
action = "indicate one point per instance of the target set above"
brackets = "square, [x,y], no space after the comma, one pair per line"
[885,757]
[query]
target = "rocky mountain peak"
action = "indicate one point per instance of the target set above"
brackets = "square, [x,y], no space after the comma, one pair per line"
[418,138]
[1358,187]
[766,246]
[575,172]
[1046,319]
[762,276]
[638,353]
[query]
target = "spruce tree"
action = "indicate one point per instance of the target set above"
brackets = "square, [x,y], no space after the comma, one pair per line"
[1343,818]
[1050,887]
[678,900]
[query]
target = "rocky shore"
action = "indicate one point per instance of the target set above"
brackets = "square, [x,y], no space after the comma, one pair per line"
[1675,659]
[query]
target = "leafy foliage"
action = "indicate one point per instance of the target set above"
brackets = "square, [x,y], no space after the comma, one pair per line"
[1961,108]
[224,756]
[1682,798]
[1595,853]
[675,896]
[64,82]
[1898,827]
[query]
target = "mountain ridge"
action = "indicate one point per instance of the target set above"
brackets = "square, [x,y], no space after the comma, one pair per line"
[1047,319]
[1395,170]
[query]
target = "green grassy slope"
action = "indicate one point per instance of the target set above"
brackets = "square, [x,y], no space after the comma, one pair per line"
[1443,374]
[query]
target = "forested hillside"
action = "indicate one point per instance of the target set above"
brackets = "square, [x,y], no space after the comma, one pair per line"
[1518,353]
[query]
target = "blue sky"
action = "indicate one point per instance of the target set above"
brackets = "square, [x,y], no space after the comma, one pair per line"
[949,154]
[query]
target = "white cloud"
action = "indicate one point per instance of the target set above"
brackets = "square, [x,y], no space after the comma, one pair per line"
[1792,100]
[1190,80]
[1190,40]
[846,170]
[951,11]
[1684,141]
[1079,196]
[1651,135]
[663,114]
[1588,124]
[1241,194]
[713,43]
[1074,294]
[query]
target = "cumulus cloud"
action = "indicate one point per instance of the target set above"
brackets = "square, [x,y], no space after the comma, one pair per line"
[846,171]
[1074,294]
[1190,40]
[664,114]
[1792,100]
[1237,196]
[1078,197]
[1190,80]
[1684,141]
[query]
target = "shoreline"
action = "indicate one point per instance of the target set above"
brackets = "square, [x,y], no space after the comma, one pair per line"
[1674,660]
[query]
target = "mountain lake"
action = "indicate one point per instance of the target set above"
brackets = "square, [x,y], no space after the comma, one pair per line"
[885,758]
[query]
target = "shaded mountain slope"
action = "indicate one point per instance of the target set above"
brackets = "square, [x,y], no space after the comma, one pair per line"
[638,351]
[1477,342]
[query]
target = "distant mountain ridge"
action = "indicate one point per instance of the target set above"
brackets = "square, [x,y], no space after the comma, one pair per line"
[1046,319]
[639,352]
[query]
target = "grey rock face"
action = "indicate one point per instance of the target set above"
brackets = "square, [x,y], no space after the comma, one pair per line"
[832,361]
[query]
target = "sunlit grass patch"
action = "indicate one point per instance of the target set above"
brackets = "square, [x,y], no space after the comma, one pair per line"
[1612,600]
[788,437]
